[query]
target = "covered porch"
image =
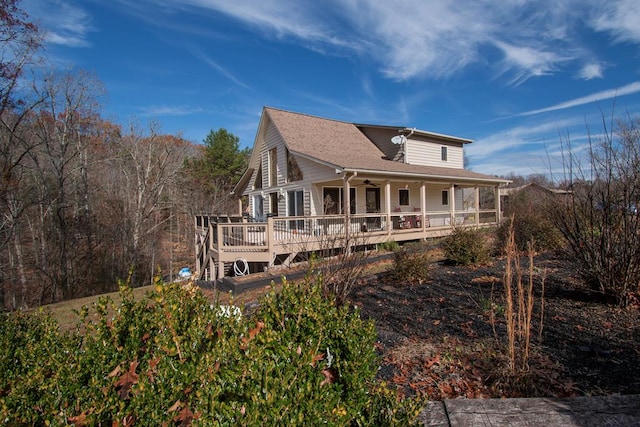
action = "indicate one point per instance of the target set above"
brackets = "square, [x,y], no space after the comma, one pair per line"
[339,215]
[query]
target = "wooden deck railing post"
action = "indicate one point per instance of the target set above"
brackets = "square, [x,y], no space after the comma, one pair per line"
[452,205]
[220,240]
[497,204]
[269,236]
[477,205]
[423,206]
[387,207]
[197,236]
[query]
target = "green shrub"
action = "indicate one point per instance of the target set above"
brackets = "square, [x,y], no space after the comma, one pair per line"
[466,246]
[411,267]
[389,246]
[173,358]
[529,226]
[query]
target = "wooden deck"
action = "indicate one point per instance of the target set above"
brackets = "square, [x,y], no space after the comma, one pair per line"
[615,410]
[221,241]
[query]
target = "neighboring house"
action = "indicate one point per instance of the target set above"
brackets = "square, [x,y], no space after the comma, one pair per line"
[532,192]
[310,177]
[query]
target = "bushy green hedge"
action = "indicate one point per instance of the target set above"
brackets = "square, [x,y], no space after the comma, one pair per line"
[466,246]
[530,227]
[411,267]
[174,359]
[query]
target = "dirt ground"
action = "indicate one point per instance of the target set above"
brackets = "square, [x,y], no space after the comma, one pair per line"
[439,339]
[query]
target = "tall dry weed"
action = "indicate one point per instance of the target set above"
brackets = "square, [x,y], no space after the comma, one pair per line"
[519,304]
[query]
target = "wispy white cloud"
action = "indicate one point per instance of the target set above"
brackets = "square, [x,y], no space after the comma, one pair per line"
[621,18]
[591,71]
[536,147]
[523,149]
[165,110]
[526,62]
[629,89]
[219,68]
[516,137]
[519,39]
[62,22]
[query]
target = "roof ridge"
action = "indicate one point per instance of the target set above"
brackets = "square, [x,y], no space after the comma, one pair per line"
[313,116]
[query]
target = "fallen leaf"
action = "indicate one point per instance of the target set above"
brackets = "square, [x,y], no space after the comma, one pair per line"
[115,372]
[184,418]
[329,377]
[79,419]
[175,406]
[316,358]
[127,380]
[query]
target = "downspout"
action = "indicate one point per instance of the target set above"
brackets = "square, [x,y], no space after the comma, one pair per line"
[405,146]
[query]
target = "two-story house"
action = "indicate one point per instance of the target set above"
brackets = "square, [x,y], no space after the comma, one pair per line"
[311,177]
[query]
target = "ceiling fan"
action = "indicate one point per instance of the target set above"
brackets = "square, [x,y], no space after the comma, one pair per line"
[368,182]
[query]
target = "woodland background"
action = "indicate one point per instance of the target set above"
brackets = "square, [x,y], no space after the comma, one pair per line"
[85,201]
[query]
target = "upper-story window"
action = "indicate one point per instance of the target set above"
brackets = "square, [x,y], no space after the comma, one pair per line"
[443,153]
[293,171]
[273,167]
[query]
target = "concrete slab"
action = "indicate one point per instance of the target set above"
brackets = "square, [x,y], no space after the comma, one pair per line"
[610,411]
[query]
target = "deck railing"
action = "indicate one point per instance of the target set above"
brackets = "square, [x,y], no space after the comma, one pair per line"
[237,233]
[221,240]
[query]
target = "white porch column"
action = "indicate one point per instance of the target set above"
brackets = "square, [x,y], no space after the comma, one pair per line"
[423,205]
[452,204]
[477,203]
[346,194]
[346,205]
[387,205]
[240,206]
[498,206]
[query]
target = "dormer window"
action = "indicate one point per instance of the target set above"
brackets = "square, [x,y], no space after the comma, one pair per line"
[258,182]
[273,167]
[293,171]
[443,154]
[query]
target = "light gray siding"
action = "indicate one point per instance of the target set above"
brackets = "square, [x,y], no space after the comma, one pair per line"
[311,172]
[428,153]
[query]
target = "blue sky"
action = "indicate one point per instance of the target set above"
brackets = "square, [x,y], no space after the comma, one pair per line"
[513,75]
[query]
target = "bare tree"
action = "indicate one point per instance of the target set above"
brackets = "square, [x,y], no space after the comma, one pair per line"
[600,220]
[148,167]
[19,40]
[64,128]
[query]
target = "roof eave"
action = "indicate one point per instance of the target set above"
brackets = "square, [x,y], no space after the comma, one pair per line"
[427,176]
[242,184]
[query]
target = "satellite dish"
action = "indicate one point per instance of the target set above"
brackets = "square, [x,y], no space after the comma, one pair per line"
[398,139]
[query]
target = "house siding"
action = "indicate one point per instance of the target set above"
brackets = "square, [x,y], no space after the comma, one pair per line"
[312,172]
[272,140]
[418,151]
[428,153]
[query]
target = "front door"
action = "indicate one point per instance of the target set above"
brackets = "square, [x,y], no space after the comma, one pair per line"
[258,208]
[295,201]
[373,200]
